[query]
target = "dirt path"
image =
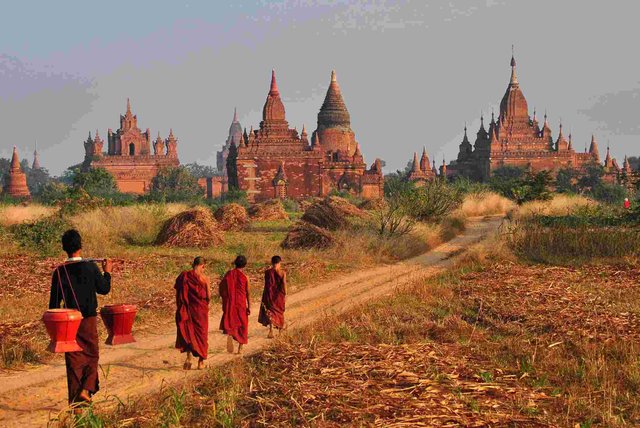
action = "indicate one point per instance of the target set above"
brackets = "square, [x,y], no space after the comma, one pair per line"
[31,398]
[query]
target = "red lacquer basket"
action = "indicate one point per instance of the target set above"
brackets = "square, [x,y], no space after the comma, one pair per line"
[118,319]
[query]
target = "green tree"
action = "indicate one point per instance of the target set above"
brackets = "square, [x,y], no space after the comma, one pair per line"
[96,182]
[175,184]
[608,193]
[566,180]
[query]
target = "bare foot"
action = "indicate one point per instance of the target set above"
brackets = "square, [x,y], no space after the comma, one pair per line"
[187,365]
[201,365]
[84,396]
[230,344]
[270,335]
[239,349]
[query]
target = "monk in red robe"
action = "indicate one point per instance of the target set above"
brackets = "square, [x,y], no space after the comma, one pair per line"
[236,306]
[193,293]
[273,297]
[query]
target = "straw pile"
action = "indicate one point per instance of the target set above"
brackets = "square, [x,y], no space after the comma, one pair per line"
[268,210]
[345,207]
[193,228]
[332,213]
[307,236]
[305,204]
[323,215]
[231,216]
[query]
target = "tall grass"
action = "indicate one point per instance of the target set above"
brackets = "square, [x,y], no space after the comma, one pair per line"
[485,203]
[561,244]
[128,225]
[559,205]
[17,214]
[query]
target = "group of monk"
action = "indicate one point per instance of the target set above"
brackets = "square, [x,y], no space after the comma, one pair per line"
[193,294]
[78,281]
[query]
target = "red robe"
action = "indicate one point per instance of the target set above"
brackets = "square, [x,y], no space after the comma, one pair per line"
[192,314]
[273,298]
[234,289]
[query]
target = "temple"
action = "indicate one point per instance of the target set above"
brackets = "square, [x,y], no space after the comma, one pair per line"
[421,170]
[275,161]
[16,184]
[132,156]
[36,159]
[516,139]
[235,137]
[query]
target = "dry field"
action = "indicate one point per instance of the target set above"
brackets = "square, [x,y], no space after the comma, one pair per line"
[144,273]
[496,341]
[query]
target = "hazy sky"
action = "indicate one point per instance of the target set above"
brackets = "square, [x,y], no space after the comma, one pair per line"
[411,72]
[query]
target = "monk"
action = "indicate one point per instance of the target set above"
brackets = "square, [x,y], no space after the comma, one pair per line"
[236,306]
[77,283]
[273,297]
[193,293]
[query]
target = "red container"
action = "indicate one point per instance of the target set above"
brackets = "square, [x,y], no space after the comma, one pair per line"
[62,326]
[119,321]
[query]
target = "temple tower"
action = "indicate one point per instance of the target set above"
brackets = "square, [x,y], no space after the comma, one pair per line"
[334,122]
[17,181]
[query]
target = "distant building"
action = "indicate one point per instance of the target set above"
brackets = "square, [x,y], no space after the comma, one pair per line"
[36,159]
[277,162]
[516,139]
[132,157]
[235,137]
[16,185]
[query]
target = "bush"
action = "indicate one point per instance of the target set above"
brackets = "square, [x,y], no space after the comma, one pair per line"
[96,182]
[175,185]
[394,217]
[42,236]
[431,202]
[608,193]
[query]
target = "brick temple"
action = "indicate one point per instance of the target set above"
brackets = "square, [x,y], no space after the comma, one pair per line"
[516,139]
[132,157]
[275,161]
[16,181]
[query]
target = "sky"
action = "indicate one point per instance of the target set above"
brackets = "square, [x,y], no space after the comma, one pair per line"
[412,73]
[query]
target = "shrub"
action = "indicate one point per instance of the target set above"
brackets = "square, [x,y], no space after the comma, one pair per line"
[175,185]
[42,236]
[394,217]
[96,182]
[431,202]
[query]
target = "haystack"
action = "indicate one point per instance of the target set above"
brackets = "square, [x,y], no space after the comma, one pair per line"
[231,216]
[345,207]
[323,215]
[306,203]
[193,228]
[332,213]
[268,210]
[305,235]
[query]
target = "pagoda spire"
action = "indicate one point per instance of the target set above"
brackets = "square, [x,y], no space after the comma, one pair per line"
[514,78]
[424,160]
[15,159]
[128,106]
[274,85]
[36,158]
[235,114]
[415,167]
[593,148]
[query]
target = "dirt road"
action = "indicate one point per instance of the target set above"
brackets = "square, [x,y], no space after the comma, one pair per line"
[33,397]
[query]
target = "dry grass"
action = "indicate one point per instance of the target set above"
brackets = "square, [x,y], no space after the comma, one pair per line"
[16,214]
[560,205]
[128,225]
[485,203]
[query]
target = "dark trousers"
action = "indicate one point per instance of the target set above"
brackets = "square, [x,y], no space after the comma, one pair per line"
[82,366]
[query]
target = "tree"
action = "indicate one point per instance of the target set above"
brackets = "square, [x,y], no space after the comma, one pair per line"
[591,178]
[96,182]
[566,180]
[37,179]
[200,171]
[432,201]
[175,184]
[232,167]
[608,193]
